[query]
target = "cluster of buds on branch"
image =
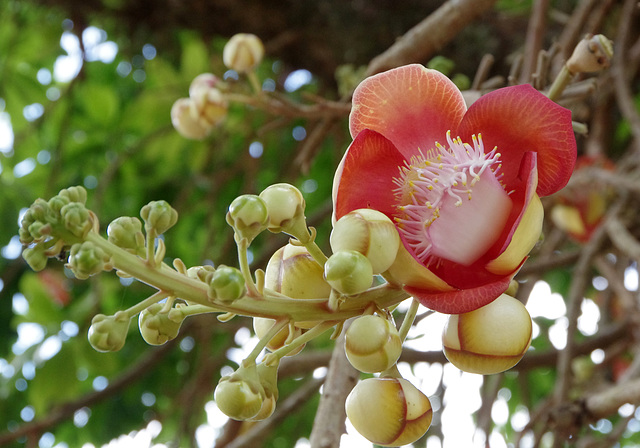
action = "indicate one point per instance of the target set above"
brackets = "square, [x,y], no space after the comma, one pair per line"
[424,207]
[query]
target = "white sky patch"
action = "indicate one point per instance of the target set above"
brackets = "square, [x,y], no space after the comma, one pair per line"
[543,303]
[29,334]
[297,79]
[631,278]
[6,134]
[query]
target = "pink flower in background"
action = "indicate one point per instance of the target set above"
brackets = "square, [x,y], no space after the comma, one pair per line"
[461,185]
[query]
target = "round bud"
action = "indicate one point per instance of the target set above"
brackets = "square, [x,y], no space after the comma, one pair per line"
[126,233]
[285,203]
[348,272]
[371,233]
[157,328]
[185,120]
[108,333]
[262,325]
[226,284]
[389,411]
[293,272]
[76,219]
[488,340]
[372,344]
[203,81]
[87,259]
[248,216]
[592,54]
[159,215]
[209,106]
[35,257]
[237,399]
[243,52]
[74,194]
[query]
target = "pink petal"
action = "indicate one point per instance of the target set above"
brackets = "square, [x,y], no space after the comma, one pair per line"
[412,106]
[365,178]
[519,119]
[460,301]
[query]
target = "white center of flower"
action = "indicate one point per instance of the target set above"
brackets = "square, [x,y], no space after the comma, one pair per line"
[451,204]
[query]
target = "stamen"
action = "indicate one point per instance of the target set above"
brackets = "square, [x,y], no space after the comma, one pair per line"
[424,186]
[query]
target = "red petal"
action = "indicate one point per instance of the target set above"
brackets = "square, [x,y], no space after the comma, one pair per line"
[519,119]
[412,106]
[366,175]
[460,301]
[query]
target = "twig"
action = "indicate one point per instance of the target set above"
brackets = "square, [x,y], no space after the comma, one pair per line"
[430,35]
[533,42]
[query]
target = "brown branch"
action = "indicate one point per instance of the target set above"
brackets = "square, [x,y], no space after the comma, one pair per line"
[533,42]
[328,425]
[430,35]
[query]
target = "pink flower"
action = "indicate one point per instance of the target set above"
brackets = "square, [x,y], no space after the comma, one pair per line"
[462,185]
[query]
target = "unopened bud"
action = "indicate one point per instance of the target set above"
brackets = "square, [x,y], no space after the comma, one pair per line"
[369,232]
[108,333]
[76,219]
[227,284]
[159,215]
[126,232]
[185,120]
[203,81]
[348,272]
[157,328]
[75,194]
[372,344]
[286,205]
[243,52]
[35,257]
[248,216]
[592,54]
[209,107]
[86,259]
[292,271]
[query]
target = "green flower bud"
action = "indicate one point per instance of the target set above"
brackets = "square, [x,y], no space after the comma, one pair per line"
[185,120]
[56,203]
[159,215]
[157,328]
[227,284]
[488,340]
[285,205]
[269,381]
[108,333]
[348,272]
[243,52]
[75,194]
[126,232]
[371,233]
[237,399]
[87,259]
[35,257]
[248,216]
[389,411]
[76,219]
[372,344]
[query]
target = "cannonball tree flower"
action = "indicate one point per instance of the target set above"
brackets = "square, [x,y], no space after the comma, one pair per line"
[462,186]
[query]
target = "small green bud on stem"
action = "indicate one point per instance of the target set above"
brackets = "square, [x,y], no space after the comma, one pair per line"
[226,284]
[108,333]
[158,215]
[248,216]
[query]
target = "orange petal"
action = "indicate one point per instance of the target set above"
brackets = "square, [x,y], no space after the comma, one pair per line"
[412,106]
[519,119]
[365,176]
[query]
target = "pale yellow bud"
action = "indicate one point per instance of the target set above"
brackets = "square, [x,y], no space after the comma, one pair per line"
[372,344]
[185,120]
[238,399]
[285,205]
[369,232]
[293,272]
[488,340]
[389,411]
[261,327]
[348,272]
[209,106]
[243,52]
[204,81]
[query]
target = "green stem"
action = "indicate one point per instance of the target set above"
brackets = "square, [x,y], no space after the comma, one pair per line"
[300,340]
[146,303]
[270,306]
[408,319]
[275,328]
[151,239]
[560,83]
[243,245]
[255,82]
[316,252]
